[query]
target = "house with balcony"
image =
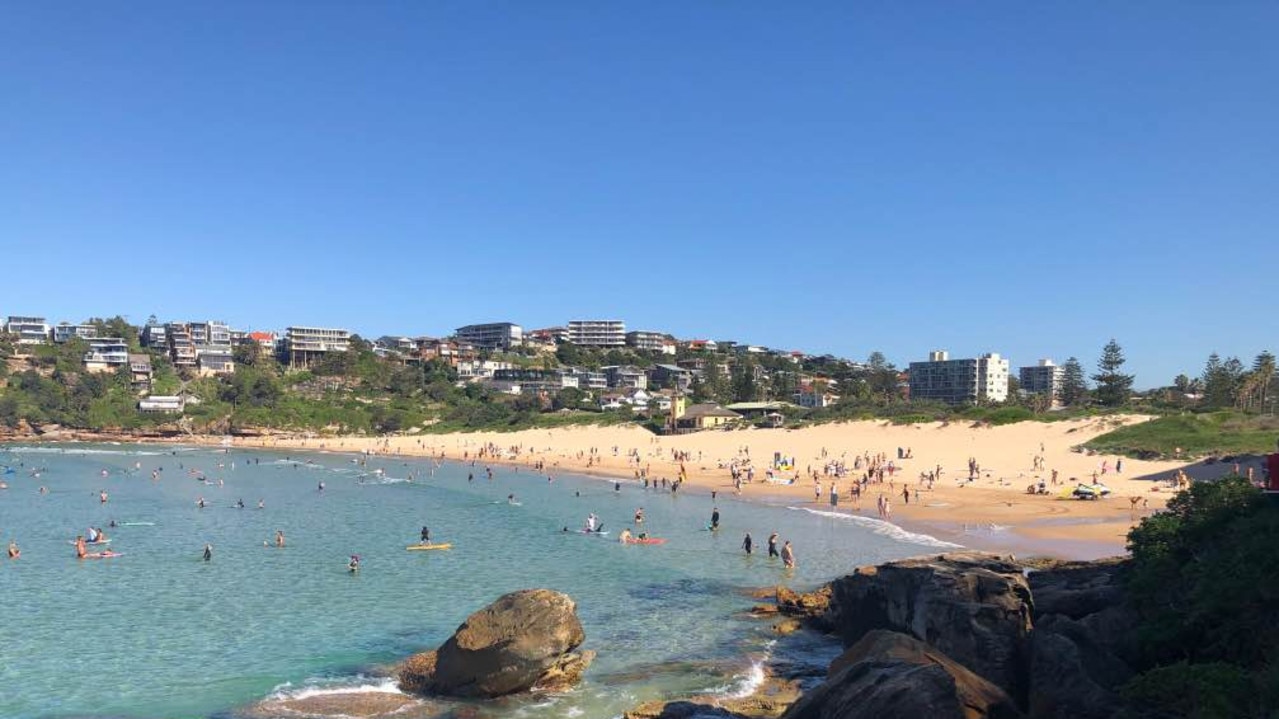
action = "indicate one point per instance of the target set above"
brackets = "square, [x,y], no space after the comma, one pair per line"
[140,373]
[28,330]
[305,345]
[625,377]
[64,332]
[153,335]
[491,336]
[597,333]
[181,345]
[212,362]
[106,354]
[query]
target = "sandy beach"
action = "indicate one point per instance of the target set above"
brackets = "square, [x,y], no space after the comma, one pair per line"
[992,510]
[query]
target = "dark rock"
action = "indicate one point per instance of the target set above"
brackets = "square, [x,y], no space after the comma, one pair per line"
[679,710]
[522,641]
[1077,589]
[888,675]
[1074,667]
[973,607]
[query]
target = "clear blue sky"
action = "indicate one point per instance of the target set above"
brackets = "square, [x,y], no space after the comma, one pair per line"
[835,177]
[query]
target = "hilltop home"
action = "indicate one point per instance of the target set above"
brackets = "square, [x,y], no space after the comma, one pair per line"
[215,362]
[664,375]
[625,377]
[65,332]
[28,330]
[304,345]
[597,333]
[650,342]
[140,373]
[491,336]
[106,354]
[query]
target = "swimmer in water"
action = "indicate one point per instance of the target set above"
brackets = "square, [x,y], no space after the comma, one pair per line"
[279,538]
[14,552]
[208,552]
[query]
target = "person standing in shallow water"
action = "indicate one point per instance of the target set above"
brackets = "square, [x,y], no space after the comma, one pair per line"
[208,552]
[747,544]
[788,556]
[772,545]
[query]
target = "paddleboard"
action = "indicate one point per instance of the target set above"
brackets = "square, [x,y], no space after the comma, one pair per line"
[137,524]
[103,555]
[649,540]
[420,547]
[99,543]
[596,534]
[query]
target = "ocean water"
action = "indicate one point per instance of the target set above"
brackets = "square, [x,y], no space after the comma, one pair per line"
[158,632]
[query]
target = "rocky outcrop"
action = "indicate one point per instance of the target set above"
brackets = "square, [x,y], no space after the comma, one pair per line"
[813,607]
[973,607]
[887,675]
[1081,649]
[522,641]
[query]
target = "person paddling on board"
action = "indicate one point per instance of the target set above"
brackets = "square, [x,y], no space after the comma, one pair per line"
[591,522]
[625,536]
[426,534]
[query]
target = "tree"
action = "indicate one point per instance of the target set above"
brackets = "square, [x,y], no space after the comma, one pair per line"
[1221,381]
[744,387]
[1113,387]
[1074,389]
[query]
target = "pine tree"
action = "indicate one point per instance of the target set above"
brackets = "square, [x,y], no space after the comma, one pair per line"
[1218,382]
[1113,387]
[1074,389]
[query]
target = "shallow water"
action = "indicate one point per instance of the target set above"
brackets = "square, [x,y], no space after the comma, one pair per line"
[160,633]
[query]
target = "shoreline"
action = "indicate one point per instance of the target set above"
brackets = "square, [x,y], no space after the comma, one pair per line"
[991,512]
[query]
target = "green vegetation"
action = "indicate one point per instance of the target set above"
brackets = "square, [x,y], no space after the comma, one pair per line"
[1215,433]
[1204,581]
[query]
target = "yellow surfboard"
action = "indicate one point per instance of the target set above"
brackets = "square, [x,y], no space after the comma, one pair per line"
[420,547]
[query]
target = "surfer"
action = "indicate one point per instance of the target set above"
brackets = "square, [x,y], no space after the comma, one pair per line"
[426,534]
[772,545]
[590,522]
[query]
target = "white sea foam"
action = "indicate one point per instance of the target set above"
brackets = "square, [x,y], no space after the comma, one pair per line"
[882,528]
[84,451]
[330,687]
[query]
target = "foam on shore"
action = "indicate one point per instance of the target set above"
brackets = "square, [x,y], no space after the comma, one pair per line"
[882,528]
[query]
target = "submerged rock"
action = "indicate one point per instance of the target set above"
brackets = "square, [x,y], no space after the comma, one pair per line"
[522,641]
[887,675]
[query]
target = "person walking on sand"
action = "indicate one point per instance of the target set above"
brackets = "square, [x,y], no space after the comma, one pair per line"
[788,555]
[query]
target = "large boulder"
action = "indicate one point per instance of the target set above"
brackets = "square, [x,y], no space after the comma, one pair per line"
[887,675]
[522,641]
[973,607]
[1082,647]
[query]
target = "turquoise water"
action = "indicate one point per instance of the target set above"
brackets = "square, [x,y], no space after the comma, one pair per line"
[158,632]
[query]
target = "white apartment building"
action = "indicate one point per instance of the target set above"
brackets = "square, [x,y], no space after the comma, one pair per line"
[181,344]
[494,335]
[65,332]
[957,381]
[106,354]
[304,345]
[650,342]
[1042,378]
[597,333]
[29,330]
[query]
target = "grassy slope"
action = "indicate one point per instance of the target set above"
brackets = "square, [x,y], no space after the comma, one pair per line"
[1195,434]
